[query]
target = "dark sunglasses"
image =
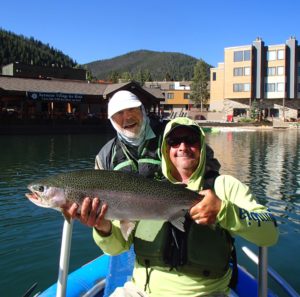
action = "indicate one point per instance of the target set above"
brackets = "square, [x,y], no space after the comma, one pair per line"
[187,139]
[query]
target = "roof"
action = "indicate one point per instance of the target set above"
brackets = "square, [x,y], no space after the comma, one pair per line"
[16,84]
[51,86]
[155,92]
[146,95]
[114,87]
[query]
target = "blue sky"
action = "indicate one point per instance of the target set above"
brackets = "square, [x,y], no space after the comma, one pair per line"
[93,30]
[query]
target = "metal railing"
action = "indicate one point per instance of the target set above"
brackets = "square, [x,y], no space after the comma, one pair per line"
[264,270]
[261,261]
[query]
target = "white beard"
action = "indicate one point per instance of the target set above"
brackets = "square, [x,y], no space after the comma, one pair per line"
[133,138]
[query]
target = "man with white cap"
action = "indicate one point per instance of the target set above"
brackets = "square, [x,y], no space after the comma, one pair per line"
[136,147]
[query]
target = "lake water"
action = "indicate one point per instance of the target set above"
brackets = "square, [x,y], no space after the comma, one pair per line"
[268,161]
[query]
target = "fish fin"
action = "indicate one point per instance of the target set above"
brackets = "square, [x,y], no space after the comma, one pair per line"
[126,228]
[66,215]
[178,220]
[179,223]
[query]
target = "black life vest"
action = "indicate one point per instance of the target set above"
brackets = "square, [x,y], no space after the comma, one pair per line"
[201,250]
[115,155]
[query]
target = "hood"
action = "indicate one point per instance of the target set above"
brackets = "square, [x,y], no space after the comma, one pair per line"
[196,180]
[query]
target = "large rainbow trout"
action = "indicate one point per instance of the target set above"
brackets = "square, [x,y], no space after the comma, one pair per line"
[130,197]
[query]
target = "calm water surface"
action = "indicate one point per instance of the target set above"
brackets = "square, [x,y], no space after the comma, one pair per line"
[267,161]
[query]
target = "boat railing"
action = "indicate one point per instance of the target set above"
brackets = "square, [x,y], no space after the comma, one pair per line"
[264,270]
[64,258]
[261,261]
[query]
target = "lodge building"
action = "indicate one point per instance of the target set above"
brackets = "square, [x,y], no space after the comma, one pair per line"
[47,99]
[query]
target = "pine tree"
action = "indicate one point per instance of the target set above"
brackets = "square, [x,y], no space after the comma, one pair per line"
[114,77]
[126,76]
[199,87]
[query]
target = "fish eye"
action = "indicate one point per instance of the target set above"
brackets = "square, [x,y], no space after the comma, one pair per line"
[39,188]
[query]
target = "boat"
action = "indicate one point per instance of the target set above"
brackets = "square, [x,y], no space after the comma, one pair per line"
[101,276]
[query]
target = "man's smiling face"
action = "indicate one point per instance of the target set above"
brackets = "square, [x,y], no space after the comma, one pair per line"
[184,150]
[129,121]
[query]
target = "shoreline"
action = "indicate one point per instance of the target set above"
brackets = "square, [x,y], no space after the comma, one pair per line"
[248,126]
[106,128]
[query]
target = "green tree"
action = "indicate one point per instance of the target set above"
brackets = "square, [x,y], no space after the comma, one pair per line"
[17,48]
[126,76]
[114,77]
[168,77]
[140,77]
[254,110]
[199,87]
[147,75]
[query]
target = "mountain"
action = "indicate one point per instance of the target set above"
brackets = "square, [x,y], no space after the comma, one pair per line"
[17,48]
[141,65]
[159,65]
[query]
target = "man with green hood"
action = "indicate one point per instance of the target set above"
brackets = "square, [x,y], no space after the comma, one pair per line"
[196,262]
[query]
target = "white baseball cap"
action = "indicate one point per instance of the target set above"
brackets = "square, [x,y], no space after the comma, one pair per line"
[122,100]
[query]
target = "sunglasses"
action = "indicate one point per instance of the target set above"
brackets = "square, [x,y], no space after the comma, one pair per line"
[187,139]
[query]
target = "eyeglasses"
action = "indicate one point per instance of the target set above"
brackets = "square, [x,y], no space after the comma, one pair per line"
[187,139]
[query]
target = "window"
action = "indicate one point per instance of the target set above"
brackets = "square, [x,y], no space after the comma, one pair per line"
[247,55]
[280,87]
[171,87]
[280,70]
[170,95]
[271,71]
[237,88]
[238,71]
[246,71]
[271,55]
[246,87]
[186,95]
[270,87]
[241,87]
[298,71]
[298,88]
[239,56]
[280,54]
[214,76]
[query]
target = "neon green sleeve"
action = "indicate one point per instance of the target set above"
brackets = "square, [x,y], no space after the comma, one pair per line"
[115,243]
[241,215]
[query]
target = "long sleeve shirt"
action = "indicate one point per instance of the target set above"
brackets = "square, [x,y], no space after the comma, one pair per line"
[240,214]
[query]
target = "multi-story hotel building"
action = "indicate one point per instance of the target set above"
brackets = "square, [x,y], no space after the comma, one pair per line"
[265,76]
[176,96]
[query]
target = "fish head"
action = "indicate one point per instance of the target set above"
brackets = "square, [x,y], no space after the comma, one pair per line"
[47,196]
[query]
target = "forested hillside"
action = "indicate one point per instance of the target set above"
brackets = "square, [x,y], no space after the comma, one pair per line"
[149,64]
[141,65]
[17,48]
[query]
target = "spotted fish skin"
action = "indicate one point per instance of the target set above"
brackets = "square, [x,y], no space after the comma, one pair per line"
[128,196]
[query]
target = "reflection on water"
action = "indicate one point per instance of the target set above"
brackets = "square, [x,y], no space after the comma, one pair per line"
[30,236]
[268,162]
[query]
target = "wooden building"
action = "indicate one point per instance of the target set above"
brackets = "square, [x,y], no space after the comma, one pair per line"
[29,100]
